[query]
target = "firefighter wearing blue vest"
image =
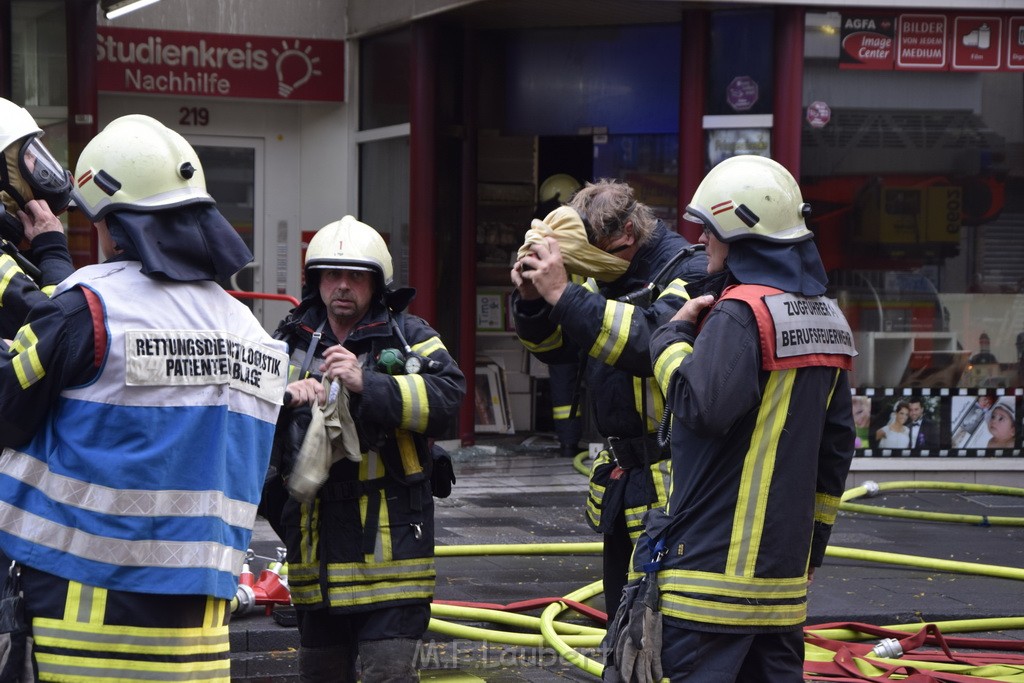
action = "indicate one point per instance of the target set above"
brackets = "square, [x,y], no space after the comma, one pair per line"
[149,398]
[762,439]
[361,548]
[555,318]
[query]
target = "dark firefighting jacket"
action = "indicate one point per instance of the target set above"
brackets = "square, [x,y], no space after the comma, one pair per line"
[627,404]
[66,357]
[762,435]
[367,539]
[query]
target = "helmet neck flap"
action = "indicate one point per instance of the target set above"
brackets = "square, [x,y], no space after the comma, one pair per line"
[184,244]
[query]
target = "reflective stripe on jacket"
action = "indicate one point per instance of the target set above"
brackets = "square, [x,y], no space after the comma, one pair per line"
[765,454]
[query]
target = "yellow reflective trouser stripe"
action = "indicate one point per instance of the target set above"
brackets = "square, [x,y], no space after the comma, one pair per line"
[551,343]
[826,508]
[88,648]
[667,363]
[614,332]
[85,604]
[760,600]
[27,366]
[562,412]
[415,408]
[758,467]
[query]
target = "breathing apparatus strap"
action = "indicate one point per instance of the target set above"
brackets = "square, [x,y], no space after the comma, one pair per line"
[314,341]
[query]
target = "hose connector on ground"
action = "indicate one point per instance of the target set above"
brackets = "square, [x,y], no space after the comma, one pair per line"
[889,648]
[871,489]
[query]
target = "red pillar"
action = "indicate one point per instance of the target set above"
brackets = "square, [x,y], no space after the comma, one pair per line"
[789,85]
[692,104]
[83,113]
[422,182]
[467,242]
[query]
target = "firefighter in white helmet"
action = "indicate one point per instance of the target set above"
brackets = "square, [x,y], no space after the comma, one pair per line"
[34,189]
[361,546]
[762,438]
[138,408]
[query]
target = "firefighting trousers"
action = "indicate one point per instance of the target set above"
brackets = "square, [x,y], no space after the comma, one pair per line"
[83,632]
[707,657]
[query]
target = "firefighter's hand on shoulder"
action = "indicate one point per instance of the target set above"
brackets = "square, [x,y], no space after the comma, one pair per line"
[343,365]
[305,392]
[37,218]
[542,270]
[694,309]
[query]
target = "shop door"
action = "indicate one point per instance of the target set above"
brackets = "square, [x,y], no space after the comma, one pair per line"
[234,177]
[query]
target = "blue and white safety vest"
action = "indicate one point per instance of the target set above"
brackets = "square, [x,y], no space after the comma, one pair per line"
[147,478]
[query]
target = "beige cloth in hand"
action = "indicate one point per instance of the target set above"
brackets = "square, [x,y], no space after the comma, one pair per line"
[331,436]
[579,255]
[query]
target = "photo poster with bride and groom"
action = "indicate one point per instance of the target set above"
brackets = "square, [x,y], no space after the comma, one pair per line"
[960,422]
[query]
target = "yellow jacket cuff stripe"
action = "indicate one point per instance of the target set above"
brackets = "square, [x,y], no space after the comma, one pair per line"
[669,360]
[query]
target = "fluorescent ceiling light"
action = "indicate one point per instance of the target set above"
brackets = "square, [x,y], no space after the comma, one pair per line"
[115,8]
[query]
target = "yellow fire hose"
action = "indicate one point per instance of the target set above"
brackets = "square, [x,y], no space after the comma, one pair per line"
[566,637]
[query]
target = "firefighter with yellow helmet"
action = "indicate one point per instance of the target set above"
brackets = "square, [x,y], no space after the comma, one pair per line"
[361,539]
[34,189]
[138,407]
[762,438]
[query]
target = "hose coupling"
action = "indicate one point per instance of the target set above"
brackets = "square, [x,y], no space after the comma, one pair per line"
[244,600]
[889,648]
[871,489]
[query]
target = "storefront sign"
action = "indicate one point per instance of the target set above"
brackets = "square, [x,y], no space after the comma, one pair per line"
[977,43]
[220,65]
[921,41]
[1015,43]
[741,93]
[867,42]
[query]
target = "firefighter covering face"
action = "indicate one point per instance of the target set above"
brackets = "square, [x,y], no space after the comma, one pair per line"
[30,172]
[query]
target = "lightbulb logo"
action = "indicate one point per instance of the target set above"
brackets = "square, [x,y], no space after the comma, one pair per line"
[294,67]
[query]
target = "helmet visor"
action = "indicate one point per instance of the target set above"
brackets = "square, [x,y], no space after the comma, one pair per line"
[47,179]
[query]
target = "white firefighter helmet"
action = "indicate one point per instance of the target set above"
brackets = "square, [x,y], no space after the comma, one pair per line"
[139,164]
[15,124]
[351,245]
[750,197]
[27,170]
[560,187]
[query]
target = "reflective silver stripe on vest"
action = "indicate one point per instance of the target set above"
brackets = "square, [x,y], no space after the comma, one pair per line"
[174,554]
[135,502]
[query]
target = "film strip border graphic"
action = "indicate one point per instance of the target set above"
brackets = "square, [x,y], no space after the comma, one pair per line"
[957,422]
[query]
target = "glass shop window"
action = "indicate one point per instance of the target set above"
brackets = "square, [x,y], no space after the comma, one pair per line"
[914,167]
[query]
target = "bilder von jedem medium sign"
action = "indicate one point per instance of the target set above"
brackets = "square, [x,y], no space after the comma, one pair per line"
[220,65]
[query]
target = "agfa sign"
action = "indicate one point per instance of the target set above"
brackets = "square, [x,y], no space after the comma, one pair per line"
[220,65]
